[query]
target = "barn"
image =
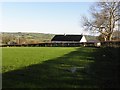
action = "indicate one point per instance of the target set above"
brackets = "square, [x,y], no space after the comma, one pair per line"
[68,39]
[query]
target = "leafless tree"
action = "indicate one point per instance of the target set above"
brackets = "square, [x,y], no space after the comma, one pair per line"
[105,17]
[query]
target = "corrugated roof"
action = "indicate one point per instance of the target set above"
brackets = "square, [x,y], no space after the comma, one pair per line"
[67,38]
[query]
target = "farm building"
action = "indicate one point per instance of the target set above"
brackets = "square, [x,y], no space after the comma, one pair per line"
[68,39]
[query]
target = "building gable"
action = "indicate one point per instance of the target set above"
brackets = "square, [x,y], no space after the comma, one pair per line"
[83,39]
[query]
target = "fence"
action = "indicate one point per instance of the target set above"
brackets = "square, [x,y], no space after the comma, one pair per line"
[88,44]
[46,45]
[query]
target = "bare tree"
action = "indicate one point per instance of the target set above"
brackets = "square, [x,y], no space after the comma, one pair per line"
[105,16]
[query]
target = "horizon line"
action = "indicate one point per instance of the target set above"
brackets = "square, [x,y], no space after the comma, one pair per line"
[51,33]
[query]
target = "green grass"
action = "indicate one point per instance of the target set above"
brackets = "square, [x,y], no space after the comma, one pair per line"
[17,57]
[45,67]
[106,67]
[50,67]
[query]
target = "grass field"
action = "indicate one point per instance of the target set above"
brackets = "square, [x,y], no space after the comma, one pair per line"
[17,57]
[51,67]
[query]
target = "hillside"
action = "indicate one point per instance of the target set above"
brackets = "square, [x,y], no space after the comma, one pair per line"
[31,37]
[26,37]
[90,38]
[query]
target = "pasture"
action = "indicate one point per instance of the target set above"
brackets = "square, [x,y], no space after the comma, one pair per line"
[18,57]
[51,67]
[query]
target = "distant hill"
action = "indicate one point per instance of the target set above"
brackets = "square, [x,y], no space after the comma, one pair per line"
[90,38]
[26,37]
[21,37]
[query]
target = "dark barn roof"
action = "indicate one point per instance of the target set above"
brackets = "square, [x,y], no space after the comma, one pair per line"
[67,38]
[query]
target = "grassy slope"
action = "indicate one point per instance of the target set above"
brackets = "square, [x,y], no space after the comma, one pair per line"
[41,37]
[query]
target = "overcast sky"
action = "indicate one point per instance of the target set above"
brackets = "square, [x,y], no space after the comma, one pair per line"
[44,17]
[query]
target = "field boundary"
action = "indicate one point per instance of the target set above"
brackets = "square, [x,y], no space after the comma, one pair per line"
[88,44]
